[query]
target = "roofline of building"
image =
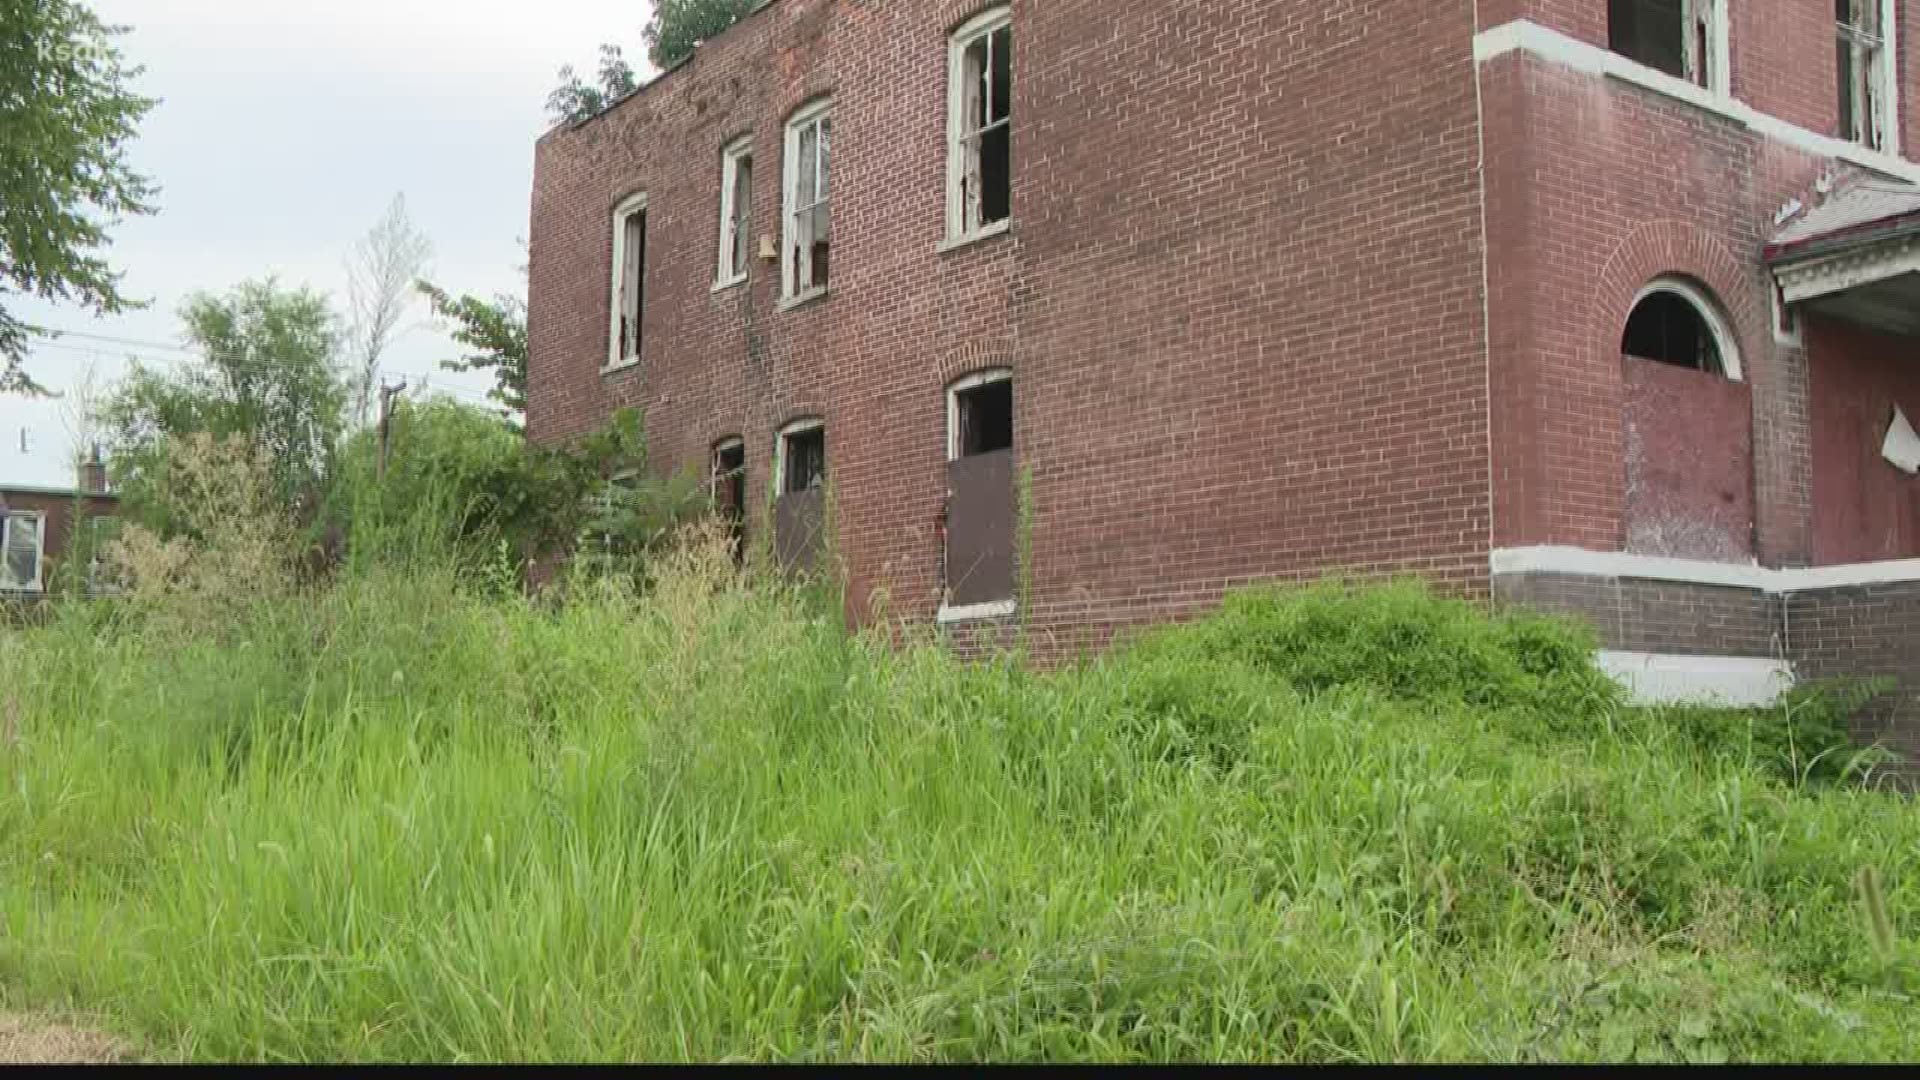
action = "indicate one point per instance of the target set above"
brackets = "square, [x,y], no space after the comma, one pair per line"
[575,125]
[1867,232]
[66,493]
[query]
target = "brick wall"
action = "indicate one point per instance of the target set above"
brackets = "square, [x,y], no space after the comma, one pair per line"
[1863,631]
[1241,295]
[1639,615]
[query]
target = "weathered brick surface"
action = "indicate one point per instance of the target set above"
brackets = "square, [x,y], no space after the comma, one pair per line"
[1869,630]
[1638,615]
[1202,399]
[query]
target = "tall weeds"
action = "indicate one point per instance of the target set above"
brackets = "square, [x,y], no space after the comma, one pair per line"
[408,818]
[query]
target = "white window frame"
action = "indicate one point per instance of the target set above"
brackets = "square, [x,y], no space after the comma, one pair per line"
[797,427]
[954,392]
[1709,309]
[727,275]
[10,521]
[821,110]
[959,229]
[1882,124]
[1718,77]
[628,207]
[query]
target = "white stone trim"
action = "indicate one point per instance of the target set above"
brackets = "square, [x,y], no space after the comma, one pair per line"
[998,609]
[1524,35]
[1824,275]
[1579,562]
[1670,679]
[1724,342]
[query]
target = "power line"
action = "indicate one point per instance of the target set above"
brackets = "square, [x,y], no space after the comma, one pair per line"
[259,363]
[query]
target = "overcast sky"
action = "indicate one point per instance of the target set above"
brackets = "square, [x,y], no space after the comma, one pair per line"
[284,130]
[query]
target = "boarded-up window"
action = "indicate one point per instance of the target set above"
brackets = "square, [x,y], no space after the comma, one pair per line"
[799,513]
[730,492]
[980,491]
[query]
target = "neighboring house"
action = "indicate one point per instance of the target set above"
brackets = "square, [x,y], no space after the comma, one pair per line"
[37,530]
[1611,306]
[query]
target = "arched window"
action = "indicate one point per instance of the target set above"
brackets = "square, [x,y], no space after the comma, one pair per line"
[1676,322]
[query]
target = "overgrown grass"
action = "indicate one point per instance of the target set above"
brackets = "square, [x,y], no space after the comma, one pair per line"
[404,822]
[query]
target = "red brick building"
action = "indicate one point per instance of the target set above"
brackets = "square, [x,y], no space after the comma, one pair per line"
[1606,305]
[37,531]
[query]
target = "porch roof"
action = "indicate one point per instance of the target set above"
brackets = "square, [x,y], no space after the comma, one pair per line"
[1856,256]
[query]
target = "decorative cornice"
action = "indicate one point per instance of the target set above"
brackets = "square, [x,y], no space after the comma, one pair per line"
[1824,275]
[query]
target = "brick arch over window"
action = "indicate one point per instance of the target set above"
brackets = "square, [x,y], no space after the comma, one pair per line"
[1673,249]
[1686,435]
[951,15]
[972,359]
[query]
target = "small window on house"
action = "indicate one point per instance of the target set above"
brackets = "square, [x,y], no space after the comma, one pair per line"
[730,491]
[1673,323]
[808,226]
[803,458]
[22,547]
[736,212]
[629,281]
[980,173]
[1679,37]
[1864,81]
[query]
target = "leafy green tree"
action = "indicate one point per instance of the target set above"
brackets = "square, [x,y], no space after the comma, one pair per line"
[494,333]
[268,368]
[66,117]
[678,26]
[576,100]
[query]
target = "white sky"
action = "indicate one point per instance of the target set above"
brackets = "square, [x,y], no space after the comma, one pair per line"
[285,128]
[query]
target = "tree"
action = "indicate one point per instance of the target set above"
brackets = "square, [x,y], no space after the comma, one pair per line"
[495,332]
[380,276]
[66,116]
[679,26]
[574,100]
[267,370]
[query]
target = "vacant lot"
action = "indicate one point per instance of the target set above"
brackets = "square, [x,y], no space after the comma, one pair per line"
[400,822]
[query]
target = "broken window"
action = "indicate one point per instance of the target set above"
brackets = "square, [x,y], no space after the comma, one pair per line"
[1861,67]
[799,512]
[730,491]
[1670,323]
[980,513]
[22,544]
[1679,37]
[809,226]
[981,171]
[629,281]
[736,212]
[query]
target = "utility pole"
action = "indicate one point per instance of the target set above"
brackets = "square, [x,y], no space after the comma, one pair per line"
[386,422]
